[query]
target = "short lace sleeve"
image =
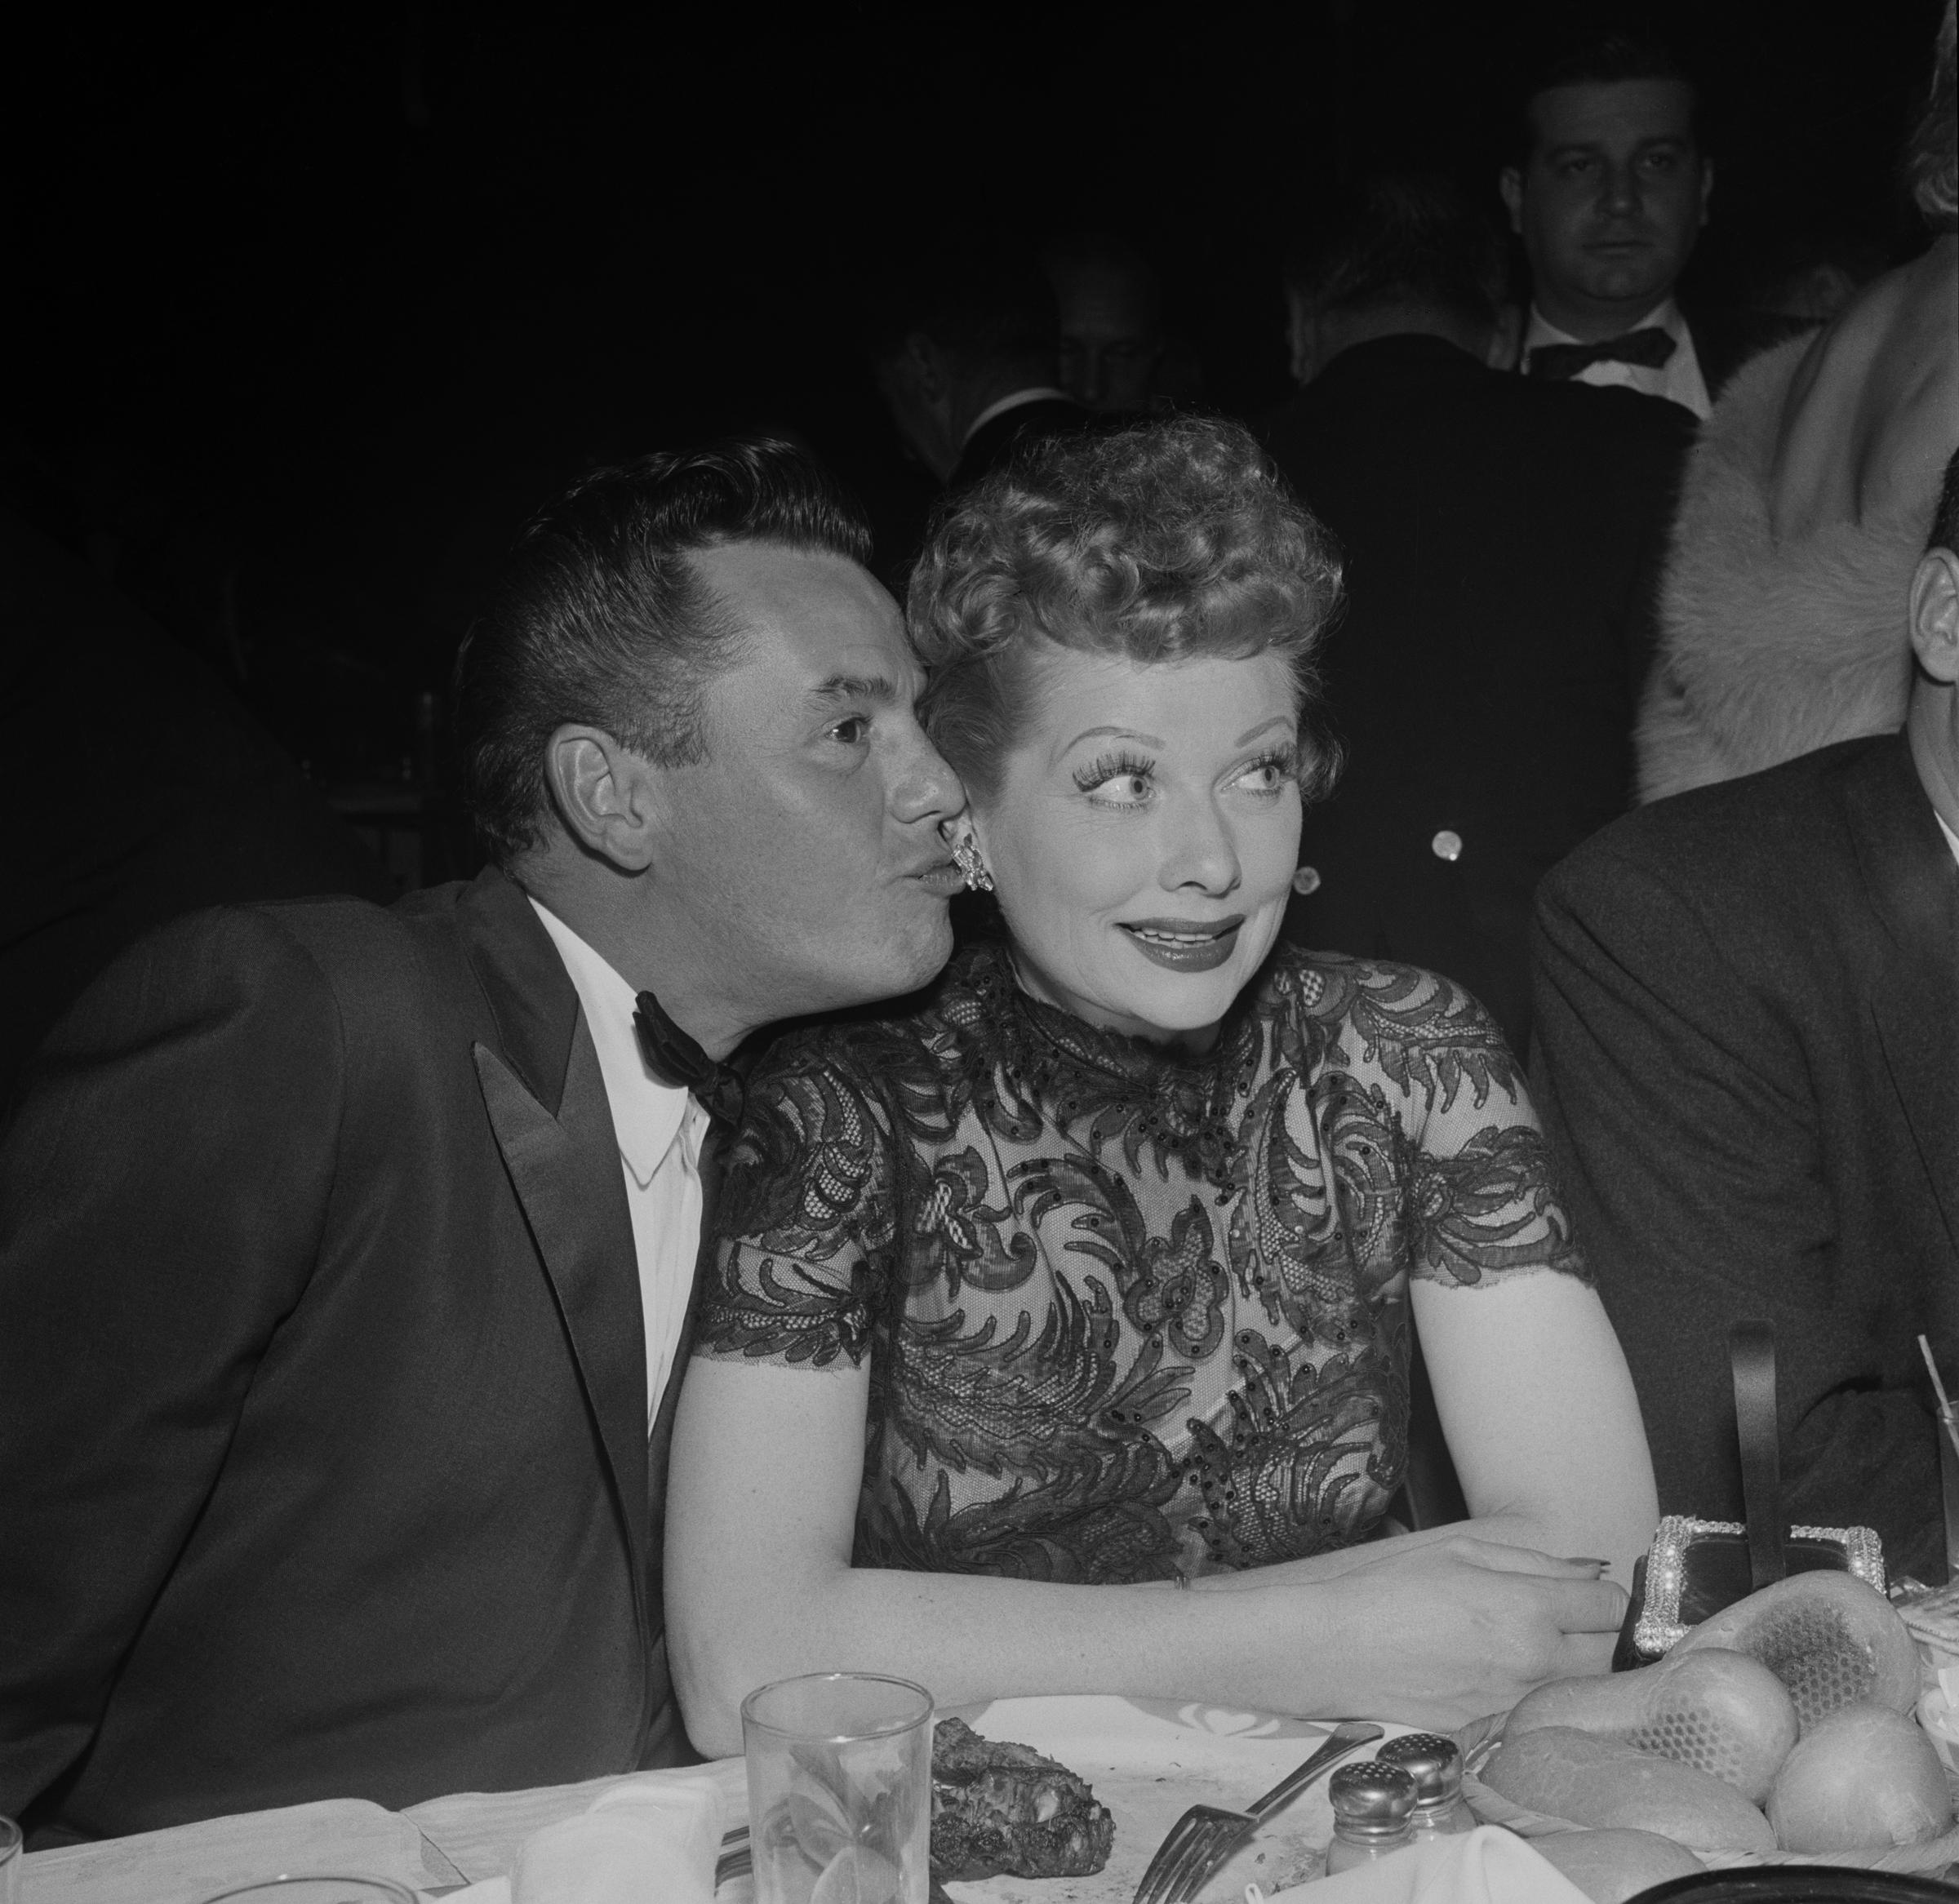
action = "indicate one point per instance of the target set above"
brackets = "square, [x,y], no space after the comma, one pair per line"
[1477,1189]
[801,1254]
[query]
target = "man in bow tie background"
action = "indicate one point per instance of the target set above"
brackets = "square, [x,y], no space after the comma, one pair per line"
[345,1253]
[1609,192]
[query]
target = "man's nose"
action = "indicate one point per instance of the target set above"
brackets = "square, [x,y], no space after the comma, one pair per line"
[926,788]
[1620,192]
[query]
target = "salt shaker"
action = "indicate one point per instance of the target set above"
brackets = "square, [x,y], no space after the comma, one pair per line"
[1436,1766]
[1373,1813]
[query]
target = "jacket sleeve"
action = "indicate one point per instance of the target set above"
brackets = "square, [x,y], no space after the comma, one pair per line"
[1680,1104]
[163,1190]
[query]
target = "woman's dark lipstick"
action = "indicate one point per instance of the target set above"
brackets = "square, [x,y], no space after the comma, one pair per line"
[1185,945]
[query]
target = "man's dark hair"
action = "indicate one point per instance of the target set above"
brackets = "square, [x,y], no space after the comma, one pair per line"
[1410,238]
[599,617]
[1596,59]
[1945,519]
[985,301]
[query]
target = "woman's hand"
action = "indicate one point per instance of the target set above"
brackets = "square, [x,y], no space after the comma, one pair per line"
[1438,1631]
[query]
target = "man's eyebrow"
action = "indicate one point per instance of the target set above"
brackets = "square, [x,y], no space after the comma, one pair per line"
[854,687]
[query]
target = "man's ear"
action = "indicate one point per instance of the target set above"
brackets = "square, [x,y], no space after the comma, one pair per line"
[1510,186]
[1707,187]
[607,795]
[1936,616]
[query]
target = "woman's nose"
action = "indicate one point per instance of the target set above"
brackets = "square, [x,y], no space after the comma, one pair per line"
[1202,852]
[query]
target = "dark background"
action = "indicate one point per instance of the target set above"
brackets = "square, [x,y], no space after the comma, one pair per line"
[313,306]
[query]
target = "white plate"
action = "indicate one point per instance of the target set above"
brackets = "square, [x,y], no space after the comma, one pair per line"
[1149,1763]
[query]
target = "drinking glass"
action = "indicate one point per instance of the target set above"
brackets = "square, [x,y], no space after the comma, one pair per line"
[301,1889]
[10,1855]
[840,1789]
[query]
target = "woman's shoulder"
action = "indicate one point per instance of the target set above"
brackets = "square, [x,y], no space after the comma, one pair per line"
[1416,1026]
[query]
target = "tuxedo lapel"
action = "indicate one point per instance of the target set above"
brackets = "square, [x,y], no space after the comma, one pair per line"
[1912,883]
[564,1170]
[546,1100]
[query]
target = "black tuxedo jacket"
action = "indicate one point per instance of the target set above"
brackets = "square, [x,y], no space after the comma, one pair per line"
[990,445]
[323,1454]
[1748,1009]
[1499,535]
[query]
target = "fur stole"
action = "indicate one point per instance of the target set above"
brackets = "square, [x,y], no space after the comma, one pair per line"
[1767,651]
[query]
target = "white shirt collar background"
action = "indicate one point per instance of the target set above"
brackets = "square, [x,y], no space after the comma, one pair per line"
[661,1129]
[1679,379]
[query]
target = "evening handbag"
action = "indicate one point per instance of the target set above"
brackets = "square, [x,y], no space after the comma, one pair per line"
[1696,1568]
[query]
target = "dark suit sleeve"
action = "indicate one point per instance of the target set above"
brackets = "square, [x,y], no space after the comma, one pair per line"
[163,1192]
[1678,1099]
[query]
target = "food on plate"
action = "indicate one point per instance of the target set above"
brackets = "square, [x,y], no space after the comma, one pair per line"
[1611,1867]
[1723,1713]
[1000,1808]
[1572,1774]
[1829,1638]
[1865,1778]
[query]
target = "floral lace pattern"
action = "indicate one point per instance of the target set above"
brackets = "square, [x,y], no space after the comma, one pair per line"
[1126,1316]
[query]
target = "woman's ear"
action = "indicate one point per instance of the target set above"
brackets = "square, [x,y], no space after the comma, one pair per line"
[607,795]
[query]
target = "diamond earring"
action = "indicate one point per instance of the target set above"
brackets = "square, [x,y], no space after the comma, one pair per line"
[966,856]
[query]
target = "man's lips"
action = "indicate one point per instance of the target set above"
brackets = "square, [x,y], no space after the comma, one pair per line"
[941,876]
[1185,945]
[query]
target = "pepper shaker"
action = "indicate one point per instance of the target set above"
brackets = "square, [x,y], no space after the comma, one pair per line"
[1435,1765]
[1372,1814]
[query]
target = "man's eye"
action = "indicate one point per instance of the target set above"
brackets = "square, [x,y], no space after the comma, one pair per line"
[852,730]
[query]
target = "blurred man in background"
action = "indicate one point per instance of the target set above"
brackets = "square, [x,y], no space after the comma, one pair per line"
[1497,532]
[1609,191]
[963,341]
[1112,320]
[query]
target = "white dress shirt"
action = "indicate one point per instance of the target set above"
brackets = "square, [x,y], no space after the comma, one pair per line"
[1678,379]
[659,1128]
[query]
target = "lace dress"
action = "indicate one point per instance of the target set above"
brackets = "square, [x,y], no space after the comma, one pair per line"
[1127,1316]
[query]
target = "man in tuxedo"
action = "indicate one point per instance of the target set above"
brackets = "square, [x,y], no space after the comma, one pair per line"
[1748,1061]
[1495,531]
[345,1253]
[1609,191]
[964,340]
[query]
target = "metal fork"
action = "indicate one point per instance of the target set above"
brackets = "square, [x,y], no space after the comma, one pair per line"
[1202,1841]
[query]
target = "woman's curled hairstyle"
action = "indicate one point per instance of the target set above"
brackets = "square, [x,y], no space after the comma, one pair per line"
[1167,541]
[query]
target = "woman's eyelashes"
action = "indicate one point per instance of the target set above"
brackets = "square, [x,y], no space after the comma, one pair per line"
[1117,779]
[1270,773]
[1129,780]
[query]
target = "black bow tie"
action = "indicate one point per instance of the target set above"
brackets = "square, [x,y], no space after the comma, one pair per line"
[1650,346]
[675,1059]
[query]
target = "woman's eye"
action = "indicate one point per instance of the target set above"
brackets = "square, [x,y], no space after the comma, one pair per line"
[1266,776]
[1124,790]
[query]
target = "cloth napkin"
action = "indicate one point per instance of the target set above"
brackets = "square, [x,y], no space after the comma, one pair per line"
[648,1841]
[1487,1865]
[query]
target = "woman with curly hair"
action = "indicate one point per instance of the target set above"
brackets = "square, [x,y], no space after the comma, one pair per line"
[1092,1275]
